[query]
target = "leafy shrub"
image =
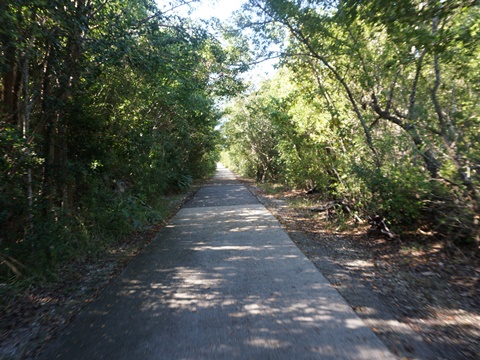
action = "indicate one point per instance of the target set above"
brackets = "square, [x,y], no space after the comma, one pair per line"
[398,193]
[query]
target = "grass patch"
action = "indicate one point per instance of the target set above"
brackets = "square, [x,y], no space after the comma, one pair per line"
[272,188]
[300,203]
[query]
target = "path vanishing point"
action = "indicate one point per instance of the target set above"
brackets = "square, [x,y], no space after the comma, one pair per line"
[222,281]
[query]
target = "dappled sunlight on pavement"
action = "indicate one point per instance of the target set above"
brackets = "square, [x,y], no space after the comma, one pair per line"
[222,281]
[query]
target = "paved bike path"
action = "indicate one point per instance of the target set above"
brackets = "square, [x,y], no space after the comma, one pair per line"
[222,281]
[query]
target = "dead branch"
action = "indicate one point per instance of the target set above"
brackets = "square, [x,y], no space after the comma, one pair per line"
[377,224]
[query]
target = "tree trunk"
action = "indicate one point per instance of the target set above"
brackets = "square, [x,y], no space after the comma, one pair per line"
[431,162]
[25,135]
[9,79]
[449,138]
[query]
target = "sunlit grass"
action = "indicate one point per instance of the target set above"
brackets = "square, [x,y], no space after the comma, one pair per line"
[301,203]
[273,188]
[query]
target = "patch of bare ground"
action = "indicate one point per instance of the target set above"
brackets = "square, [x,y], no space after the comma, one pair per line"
[31,318]
[419,295]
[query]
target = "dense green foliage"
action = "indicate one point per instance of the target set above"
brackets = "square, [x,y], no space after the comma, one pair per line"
[377,103]
[106,106]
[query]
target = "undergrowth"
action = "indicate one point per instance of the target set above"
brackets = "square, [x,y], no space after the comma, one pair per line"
[87,235]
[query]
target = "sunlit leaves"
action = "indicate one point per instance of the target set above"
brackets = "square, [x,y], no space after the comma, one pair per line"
[404,73]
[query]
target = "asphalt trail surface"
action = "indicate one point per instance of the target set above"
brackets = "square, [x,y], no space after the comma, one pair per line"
[222,281]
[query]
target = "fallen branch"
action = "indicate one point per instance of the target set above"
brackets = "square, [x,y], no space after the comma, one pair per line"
[331,205]
[377,224]
[12,264]
[313,190]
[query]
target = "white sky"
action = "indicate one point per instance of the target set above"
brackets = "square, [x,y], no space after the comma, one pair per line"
[221,9]
[205,9]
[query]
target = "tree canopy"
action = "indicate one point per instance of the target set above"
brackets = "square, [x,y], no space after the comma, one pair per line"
[382,105]
[106,106]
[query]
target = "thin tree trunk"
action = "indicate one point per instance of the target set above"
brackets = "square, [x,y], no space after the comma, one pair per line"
[413,94]
[448,142]
[431,162]
[25,134]
[449,135]
[8,95]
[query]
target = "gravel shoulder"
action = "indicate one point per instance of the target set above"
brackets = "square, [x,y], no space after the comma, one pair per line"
[420,298]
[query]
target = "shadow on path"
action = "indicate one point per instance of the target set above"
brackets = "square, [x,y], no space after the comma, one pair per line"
[222,280]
